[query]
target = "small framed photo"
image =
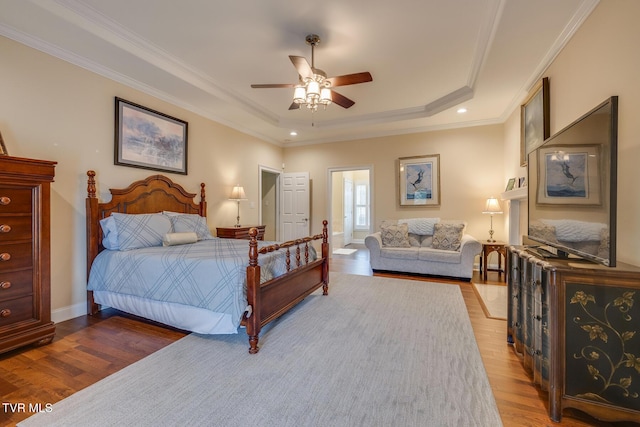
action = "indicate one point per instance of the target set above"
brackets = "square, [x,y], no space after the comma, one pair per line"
[149,139]
[419,180]
[3,148]
[510,184]
[534,119]
[522,182]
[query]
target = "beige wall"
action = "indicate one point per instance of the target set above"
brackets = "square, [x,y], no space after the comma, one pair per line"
[471,169]
[53,110]
[601,60]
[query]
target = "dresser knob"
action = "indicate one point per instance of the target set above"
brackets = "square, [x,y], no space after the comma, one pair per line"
[4,256]
[4,200]
[5,312]
[5,228]
[5,284]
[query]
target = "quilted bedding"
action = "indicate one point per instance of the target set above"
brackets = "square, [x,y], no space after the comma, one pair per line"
[209,274]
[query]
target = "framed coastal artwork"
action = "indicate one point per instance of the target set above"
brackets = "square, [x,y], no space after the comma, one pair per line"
[149,139]
[419,179]
[534,119]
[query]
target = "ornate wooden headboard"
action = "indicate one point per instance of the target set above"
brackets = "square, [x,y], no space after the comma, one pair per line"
[156,193]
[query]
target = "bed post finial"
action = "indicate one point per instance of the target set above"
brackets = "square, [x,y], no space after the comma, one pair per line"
[91,184]
[325,256]
[202,196]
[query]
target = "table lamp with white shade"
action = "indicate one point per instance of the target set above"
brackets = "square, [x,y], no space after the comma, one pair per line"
[492,207]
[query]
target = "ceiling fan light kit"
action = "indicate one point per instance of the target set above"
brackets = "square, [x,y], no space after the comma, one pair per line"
[314,89]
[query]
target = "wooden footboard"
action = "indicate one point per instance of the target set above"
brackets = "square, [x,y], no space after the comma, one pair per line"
[271,299]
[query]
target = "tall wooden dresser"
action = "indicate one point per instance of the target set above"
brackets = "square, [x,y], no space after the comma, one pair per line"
[25,269]
[576,327]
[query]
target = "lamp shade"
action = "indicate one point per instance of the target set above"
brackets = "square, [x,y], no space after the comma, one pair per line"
[492,206]
[237,193]
[300,95]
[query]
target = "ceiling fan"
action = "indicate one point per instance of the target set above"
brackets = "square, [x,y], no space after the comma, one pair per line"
[314,88]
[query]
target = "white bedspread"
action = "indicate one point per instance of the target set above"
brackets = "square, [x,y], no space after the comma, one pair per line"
[209,274]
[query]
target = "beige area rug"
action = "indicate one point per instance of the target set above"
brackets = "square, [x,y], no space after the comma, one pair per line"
[493,299]
[374,352]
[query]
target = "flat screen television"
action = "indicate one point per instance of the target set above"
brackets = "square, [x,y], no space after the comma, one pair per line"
[572,188]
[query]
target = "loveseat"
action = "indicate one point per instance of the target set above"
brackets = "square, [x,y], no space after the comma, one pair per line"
[423,246]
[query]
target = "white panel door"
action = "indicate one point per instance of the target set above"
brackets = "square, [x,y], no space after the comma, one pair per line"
[294,205]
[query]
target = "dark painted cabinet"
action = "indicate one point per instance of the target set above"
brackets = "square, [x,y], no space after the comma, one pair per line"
[576,327]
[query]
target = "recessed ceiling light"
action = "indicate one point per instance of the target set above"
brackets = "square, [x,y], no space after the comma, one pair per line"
[293,133]
[462,110]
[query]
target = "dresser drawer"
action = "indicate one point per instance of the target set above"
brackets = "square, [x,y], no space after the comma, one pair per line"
[16,284]
[16,310]
[15,228]
[15,200]
[14,256]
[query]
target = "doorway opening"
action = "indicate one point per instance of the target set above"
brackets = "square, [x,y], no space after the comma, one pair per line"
[269,199]
[350,205]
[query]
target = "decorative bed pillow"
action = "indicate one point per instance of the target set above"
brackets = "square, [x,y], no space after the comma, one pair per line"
[173,239]
[141,230]
[183,223]
[109,233]
[447,236]
[395,235]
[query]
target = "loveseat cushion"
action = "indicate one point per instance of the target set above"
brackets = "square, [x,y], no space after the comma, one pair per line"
[417,240]
[395,235]
[439,255]
[447,236]
[399,253]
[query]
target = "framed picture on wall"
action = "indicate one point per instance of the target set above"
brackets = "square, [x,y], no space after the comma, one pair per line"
[419,180]
[149,139]
[534,119]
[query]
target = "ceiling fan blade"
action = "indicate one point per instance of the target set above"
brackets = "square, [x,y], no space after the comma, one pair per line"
[267,86]
[350,79]
[302,65]
[341,100]
[294,106]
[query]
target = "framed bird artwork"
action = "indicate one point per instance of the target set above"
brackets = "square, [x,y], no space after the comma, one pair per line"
[419,180]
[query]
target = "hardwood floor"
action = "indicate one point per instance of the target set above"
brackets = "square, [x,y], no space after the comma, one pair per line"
[87,349]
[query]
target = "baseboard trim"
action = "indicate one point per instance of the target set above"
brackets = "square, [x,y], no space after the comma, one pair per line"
[69,312]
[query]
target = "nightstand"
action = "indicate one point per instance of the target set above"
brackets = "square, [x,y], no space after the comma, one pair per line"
[239,232]
[487,248]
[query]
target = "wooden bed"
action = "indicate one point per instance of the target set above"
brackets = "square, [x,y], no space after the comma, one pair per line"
[267,301]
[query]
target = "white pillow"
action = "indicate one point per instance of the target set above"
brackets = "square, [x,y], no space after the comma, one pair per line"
[183,223]
[109,233]
[141,230]
[420,226]
[173,239]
